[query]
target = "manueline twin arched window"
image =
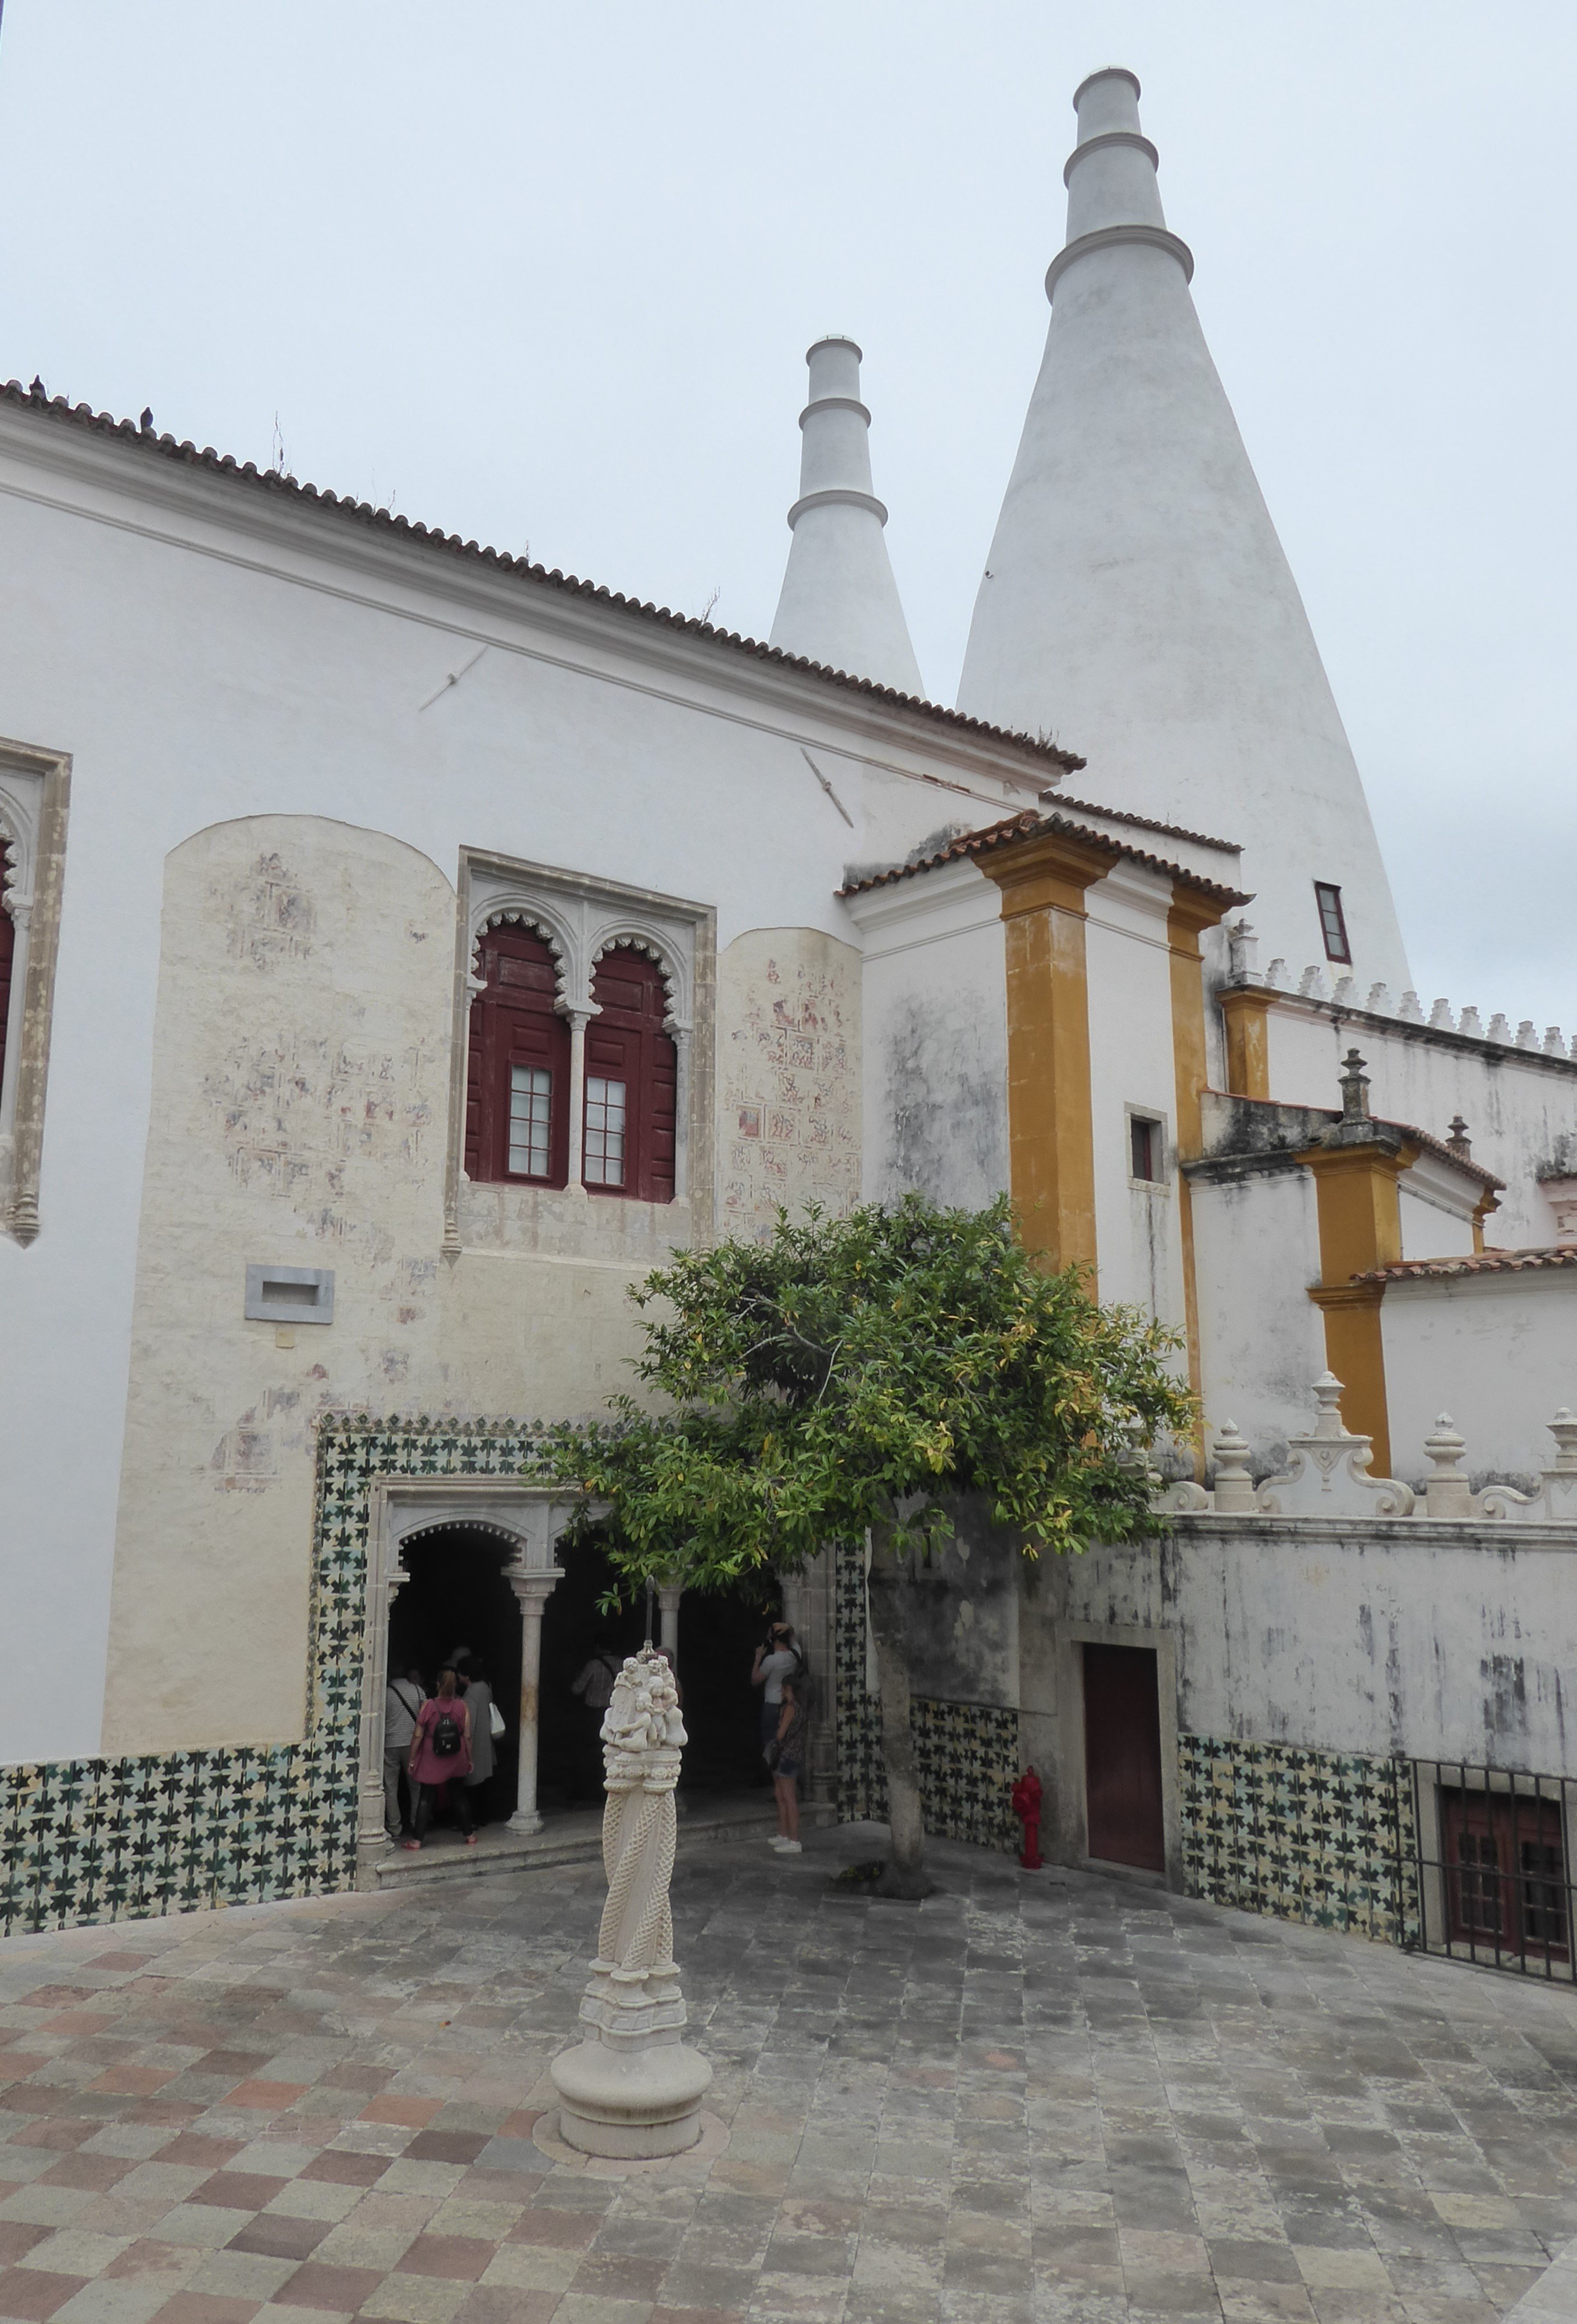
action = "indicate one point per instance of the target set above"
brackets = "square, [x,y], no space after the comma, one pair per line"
[520,1102]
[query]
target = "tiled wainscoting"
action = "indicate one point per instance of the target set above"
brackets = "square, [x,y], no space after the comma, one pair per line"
[106,1839]
[1303,1835]
[968,1752]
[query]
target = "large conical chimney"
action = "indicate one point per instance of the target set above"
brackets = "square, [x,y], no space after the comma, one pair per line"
[840,603]
[1137,603]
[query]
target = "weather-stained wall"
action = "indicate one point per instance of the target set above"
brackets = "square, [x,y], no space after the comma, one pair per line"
[935,1038]
[787,1077]
[299,1110]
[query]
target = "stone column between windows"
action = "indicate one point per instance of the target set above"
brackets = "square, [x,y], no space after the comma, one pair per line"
[579,1018]
[533,1590]
[680,1036]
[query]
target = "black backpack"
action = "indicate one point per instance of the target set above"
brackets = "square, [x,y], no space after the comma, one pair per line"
[446,1738]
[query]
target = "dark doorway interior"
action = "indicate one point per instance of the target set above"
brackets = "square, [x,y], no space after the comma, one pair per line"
[717,1640]
[457,1596]
[1122,1756]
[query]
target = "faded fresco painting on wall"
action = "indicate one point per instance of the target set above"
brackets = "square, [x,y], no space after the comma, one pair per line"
[788,1077]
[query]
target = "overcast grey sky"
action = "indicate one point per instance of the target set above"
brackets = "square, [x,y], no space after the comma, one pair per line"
[546,275]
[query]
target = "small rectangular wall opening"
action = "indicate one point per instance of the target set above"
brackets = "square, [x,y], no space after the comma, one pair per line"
[289,1295]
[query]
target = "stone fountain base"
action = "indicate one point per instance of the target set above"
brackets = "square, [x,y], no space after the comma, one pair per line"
[630,2104]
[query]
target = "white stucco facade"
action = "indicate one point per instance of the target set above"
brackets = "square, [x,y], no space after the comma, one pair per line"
[1136,601]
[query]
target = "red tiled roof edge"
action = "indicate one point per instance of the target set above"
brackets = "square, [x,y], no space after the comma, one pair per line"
[1026,825]
[1439,1146]
[1481,1262]
[1058,799]
[82,415]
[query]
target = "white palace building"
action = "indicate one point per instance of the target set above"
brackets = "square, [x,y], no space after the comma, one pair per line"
[404,948]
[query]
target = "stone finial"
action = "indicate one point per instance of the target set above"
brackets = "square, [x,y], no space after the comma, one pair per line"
[1234,1488]
[1316,985]
[1459,1143]
[1500,1028]
[1564,1429]
[1470,1024]
[1354,1090]
[1441,1017]
[1242,954]
[631,2088]
[1326,1475]
[1275,974]
[1328,1421]
[1555,1041]
[1447,1493]
[1526,1038]
[1378,1003]
[1410,1009]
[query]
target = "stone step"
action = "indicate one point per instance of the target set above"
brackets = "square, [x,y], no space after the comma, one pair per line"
[576,1837]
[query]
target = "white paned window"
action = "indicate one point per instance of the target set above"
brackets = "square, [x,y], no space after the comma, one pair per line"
[604,1132]
[530,1105]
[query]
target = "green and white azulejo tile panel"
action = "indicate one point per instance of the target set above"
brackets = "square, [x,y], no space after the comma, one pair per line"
[83,1841]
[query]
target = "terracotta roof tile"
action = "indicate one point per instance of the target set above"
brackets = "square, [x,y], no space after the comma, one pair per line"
[83,416]
[1026,825]
[1061,799]
[1482,1262]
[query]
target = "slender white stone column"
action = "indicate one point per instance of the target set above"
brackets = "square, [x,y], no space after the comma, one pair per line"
[668,1594]
[579,1018]
[533,1592]
[631,2088]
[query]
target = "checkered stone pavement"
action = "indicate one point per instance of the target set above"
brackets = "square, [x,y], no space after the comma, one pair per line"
[1036,2098]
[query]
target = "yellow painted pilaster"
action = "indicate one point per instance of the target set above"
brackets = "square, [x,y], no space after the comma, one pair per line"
[1050,1135]
[1190,915]
[1246,1014]
[1360,1217]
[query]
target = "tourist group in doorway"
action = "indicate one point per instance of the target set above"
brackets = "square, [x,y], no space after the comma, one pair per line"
[434,1744]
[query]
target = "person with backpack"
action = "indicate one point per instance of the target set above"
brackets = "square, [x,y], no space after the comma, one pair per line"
[440,1755]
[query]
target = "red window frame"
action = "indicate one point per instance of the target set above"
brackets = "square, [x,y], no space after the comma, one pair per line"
[1506,1873]
[514,1022]
[1332,922]
[8,956]
[625,1042]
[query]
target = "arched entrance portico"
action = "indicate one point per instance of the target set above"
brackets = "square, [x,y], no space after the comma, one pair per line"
[525,1521]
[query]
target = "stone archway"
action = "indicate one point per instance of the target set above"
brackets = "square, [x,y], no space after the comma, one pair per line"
[529,1520]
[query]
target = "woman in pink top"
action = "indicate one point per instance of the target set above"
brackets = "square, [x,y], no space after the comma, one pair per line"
[440,1754]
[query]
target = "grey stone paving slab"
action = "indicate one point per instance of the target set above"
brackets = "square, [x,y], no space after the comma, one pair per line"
[1041,2099]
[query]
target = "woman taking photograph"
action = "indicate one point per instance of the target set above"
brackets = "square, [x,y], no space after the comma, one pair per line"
[440,1755]
[786,1754]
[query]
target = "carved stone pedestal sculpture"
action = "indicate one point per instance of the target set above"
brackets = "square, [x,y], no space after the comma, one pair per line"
[631,2089]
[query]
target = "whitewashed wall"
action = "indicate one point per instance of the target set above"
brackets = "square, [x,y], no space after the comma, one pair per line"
[209,652]
[1441,1641]
[1498,1352]
[1520,1108]
[1257,1249]
[1138,1237]
[935,1036]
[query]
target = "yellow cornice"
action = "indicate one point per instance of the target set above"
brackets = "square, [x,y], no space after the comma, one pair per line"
[1049,872]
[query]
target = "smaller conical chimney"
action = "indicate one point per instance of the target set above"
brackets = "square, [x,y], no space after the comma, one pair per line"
[840,605]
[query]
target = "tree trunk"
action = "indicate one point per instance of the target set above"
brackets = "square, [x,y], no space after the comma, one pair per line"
[889,1598]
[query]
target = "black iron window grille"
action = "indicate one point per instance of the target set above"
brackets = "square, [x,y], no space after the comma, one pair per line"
[1493,1866]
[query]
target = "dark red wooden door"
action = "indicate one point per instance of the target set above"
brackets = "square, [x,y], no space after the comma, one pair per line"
[1122,1756]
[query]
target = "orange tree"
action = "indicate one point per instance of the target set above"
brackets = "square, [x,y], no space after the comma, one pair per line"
[841,1380]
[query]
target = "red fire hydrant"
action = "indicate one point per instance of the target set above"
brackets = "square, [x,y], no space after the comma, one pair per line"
[1027,1808]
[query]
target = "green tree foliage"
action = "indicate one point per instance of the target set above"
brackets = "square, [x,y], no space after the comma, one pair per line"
[849,1376]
